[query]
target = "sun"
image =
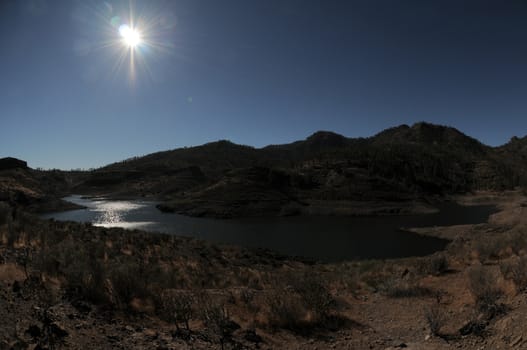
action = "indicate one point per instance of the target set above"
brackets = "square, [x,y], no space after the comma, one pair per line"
[131,36]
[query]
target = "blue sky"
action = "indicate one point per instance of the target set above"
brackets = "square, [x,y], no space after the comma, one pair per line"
[256,72]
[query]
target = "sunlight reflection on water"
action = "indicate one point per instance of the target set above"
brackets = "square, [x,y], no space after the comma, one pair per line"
[114,213]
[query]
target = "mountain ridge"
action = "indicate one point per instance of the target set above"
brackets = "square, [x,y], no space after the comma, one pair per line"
[418,132]
[326,173]
[399,164]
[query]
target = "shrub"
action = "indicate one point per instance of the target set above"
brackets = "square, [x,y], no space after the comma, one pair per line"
[314,296]
[502,244]
[436,265]
[474,326]
[435,318]
[483,285]
[407,290]
[177,307]
[517,271]
[394,286]
[247,296]
[285,309]
[128,282]
[216,318]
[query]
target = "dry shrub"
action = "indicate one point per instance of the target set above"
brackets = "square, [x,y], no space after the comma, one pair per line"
[516,271]
[315,296]
[435,317]
[435,265]
[79,266]
[177,307]
[484,288]
[127,280]
[300,303]
[501,244]
[406,286]
[216,318]
[408,290]
[285,309]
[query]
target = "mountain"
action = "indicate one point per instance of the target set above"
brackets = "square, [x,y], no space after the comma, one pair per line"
[431,135]
[402,164]
[326,173]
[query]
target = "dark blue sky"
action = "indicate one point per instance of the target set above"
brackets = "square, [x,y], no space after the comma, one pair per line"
[253,71]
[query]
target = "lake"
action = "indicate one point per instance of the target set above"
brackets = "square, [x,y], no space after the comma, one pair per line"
[327,238]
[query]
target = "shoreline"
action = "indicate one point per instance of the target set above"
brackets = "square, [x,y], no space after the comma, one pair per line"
[325,258]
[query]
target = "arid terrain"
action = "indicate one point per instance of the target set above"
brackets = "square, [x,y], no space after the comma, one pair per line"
[265,174]
[72,285]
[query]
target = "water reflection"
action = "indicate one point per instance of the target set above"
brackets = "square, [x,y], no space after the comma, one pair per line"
[325,238]
[109,213]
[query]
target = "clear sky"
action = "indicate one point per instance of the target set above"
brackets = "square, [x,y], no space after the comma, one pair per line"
[255,72]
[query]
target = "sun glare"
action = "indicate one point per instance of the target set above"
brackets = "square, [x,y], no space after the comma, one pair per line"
[131,37]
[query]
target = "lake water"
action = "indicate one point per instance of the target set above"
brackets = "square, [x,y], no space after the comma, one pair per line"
[328,238]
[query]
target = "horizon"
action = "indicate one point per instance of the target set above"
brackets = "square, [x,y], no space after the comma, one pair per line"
[252,146]
[88,82]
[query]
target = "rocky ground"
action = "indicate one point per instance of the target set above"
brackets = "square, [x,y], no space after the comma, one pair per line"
[67,285]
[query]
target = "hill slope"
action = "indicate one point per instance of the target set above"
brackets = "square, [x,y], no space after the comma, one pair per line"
[326,170]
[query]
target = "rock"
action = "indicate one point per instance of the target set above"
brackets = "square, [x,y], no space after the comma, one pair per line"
[473,327]
[230,326]
[113,338]
[16,287]
[182,334]
[34,331]
[58,330]
[19,345]
[82,306]
[250,335]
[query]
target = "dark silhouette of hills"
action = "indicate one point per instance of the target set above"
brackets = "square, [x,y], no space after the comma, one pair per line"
[400,164]
[12,163]
[36,190]
[326,173]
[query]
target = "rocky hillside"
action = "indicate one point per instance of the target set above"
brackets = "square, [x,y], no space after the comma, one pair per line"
[399,165]
[399,170]
[32,189]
